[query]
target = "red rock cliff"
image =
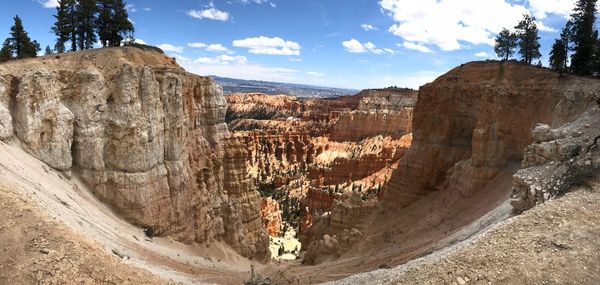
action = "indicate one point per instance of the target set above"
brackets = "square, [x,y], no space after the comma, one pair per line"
[476,120]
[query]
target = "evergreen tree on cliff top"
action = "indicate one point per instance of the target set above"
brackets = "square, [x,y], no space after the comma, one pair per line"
[584,39]
[529,39]
[65,27]
[86,24]
[113,25]
[559,55]
[19,45]
[506,42]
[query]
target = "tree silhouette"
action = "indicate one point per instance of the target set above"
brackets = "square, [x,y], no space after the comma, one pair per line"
[584,38]
[528,39]
[506,42]
[19,45]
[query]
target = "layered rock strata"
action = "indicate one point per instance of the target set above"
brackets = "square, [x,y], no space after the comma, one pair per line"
[476,120]
[148,138]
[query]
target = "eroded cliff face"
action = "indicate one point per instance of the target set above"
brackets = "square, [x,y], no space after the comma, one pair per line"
[148,138]
[387,112]
[476,120]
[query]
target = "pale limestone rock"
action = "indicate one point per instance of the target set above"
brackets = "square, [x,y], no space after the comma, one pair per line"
[6,127]
[148,138]
[43,124]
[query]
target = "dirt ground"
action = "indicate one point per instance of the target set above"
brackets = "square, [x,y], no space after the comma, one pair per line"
[35,249]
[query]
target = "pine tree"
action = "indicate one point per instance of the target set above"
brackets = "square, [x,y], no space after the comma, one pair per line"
[506,42]
[19,45]
[558,56]
[124,28]
[86,21]
[528,39]
[103,22]
[113,25]
[6,51]
[65,26]
[48,51]
[583,18]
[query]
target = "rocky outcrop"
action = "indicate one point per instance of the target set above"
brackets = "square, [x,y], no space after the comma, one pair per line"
[557,160]
[148,138]
[476,120]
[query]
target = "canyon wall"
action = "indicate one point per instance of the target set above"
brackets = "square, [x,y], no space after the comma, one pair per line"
[387,112]
[476,120]
[147,138]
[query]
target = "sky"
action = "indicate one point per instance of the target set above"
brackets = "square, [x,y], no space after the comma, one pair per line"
[353,44]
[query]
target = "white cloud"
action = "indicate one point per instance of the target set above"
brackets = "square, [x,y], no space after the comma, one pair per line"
[414,80]
[130,8]
[147,9]
[482,54]
[314,73]
[140,41]
[237,67]
[218,48]
[389,50]
[545,28]
[222,59]
[211,47]
[49,3]
[368,27]
[211,13]
[447,23]
[354,46]
[296,59]
[197,45]
[253,1]
[542,8]
[270,46]
[416,46]
[170,48]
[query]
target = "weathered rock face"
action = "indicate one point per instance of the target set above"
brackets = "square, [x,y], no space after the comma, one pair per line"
[359,125]
[476,120]
[557,160]
[388,99]
[6,127]
[387,112]
[148,138]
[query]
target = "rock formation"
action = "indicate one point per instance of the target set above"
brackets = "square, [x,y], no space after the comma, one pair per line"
[385,112]
[476,120]
[557,160]
[148,138]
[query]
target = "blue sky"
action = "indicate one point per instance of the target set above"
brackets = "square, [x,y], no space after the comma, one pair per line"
[339,43]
